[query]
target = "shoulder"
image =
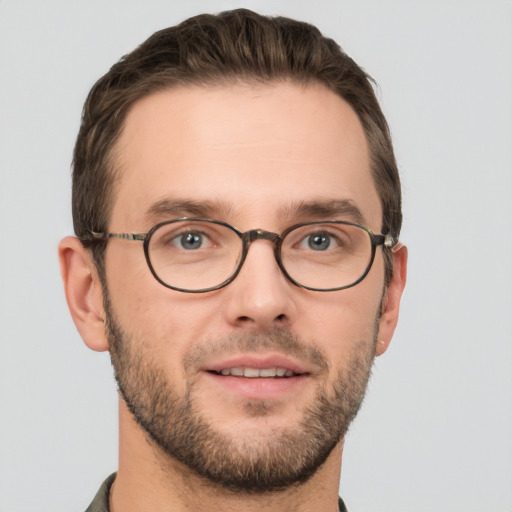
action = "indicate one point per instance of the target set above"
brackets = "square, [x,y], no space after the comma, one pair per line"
[100,501]
[341,505]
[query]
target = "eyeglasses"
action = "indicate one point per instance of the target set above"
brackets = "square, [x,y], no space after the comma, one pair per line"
[201,255]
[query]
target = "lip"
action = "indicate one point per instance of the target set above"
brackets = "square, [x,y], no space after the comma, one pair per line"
[257,388]
[258,362]
[261,388]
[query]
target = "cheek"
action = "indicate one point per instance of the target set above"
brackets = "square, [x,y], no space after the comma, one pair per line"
[129,292]
[341,321]
[167,320]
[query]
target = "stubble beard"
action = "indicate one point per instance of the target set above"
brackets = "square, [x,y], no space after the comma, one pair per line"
[242,465]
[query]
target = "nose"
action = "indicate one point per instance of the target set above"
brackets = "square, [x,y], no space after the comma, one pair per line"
[260,297]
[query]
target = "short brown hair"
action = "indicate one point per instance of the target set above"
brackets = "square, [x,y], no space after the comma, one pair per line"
[237,45]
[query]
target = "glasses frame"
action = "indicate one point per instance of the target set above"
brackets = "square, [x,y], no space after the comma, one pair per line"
[247,237]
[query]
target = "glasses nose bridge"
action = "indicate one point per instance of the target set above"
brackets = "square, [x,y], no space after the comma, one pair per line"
[261,234]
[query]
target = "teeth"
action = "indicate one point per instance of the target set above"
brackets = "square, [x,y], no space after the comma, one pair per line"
[252,373]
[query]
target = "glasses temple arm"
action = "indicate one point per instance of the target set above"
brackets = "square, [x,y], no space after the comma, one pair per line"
[121,236]
[388,241]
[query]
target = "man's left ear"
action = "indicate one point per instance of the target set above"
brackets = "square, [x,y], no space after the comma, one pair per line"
[391,300]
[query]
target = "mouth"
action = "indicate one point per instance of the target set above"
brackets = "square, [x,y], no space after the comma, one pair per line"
[257,376]
[257,373]
[258,366]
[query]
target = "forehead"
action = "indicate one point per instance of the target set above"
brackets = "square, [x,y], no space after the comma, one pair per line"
[249,151]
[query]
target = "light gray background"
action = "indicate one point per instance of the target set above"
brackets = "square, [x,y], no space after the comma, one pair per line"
[436,429]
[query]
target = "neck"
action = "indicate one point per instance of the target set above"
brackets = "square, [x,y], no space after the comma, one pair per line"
[149,479]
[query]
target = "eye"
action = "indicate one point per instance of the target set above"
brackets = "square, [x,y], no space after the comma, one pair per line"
[190,241]
[319,241]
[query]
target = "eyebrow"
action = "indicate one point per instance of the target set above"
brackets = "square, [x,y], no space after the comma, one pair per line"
[333,209]
[167,208]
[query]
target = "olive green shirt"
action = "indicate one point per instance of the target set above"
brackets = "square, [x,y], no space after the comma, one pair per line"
[100,501]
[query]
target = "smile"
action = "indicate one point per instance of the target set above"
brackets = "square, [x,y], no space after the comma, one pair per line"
[257,376]
[252,373]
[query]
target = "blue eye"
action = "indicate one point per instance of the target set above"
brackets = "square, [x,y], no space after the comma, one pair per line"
[319,241]
[189,241]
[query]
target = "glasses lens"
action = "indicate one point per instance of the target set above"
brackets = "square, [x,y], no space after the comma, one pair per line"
[194,255]
[326,255]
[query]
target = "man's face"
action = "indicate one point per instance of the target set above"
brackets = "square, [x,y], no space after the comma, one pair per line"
[256,157]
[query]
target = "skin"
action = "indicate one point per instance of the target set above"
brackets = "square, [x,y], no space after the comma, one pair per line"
[251,151]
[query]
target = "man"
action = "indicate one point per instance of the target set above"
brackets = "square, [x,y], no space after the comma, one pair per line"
[237,209]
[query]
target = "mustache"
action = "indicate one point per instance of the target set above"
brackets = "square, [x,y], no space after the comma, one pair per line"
[278,340]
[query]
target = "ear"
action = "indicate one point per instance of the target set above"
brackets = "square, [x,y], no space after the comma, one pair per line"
[391,300]
[83,292]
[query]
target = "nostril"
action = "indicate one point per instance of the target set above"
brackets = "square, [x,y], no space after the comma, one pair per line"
[245,319]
